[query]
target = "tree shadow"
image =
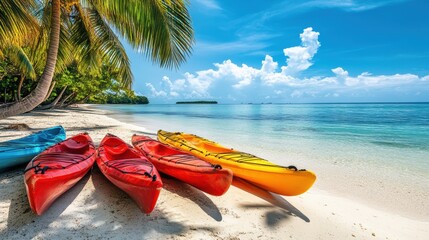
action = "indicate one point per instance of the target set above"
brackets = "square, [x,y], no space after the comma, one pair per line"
[12,171]
[20,214]
[78,109]
[112,202]
[274,216]
[12,136]
[7,178]
[154,135]
[88,129]
[98,209]
[43,113]
[197,196]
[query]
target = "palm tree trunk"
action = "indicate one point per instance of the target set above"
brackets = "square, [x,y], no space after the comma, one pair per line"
[74,101]
[56,100]
[50,90]
[65,99]
[21,80]
[83,100]
[37,96]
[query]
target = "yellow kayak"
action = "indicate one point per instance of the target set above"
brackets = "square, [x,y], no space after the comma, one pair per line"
[288,181]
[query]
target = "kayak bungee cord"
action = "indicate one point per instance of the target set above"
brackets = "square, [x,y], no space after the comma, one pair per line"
[119,164]
[244,158]
[184,158]
[247,158]
[123,163]
[55,157]
[174,157]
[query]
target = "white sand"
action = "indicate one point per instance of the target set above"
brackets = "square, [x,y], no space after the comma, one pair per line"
[95,208]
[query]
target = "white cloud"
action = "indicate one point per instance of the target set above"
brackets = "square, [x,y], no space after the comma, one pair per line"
[155,92]
[174,94]
[268,65]
[299,57]
[386,80]
[296,94]
[340,72]
[229,79]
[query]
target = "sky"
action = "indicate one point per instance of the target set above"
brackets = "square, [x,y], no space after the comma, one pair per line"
[292,51]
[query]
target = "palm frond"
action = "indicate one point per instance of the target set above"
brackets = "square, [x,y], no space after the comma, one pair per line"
[20,59]
[40,44]
[65,55]
[111,49]
[16,21]
[82,38]
[160,29]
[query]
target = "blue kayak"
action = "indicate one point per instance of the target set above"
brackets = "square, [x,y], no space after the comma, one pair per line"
[22,150]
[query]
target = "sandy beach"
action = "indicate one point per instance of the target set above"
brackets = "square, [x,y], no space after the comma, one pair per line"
[95,208]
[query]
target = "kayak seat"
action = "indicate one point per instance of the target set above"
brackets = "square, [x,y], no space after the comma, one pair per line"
[76,145]
[161,149]
[116,150]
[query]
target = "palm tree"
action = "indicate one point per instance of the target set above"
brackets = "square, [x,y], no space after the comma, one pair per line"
[161,29]
[17,26]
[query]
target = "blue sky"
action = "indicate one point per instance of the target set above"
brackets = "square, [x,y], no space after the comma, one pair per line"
[298,51]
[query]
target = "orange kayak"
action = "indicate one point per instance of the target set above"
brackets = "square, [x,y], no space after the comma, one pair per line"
[205,176]
[57,169]
[129,170]
[283,180]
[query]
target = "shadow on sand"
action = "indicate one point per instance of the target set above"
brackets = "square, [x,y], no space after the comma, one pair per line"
[198,197]
[272,217]
[153,135]
[113,203]
[20,214]
[88,129]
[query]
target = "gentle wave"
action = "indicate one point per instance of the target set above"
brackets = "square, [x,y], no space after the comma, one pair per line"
[374,132]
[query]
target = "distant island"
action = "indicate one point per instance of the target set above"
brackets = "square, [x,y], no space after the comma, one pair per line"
[197,102]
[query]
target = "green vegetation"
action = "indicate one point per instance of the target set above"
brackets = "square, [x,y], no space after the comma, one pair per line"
[69,49]
[124,98]
[197,102]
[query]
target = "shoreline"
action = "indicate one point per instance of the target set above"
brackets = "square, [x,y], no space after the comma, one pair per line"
[96,208]
[382,186]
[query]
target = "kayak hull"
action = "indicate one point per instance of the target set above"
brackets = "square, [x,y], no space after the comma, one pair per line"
[64,167]
[20,151]
[144,196]
[287,181]
[207,177]
[130,171]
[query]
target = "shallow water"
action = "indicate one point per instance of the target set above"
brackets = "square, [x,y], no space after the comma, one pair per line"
[373,134]
[378,153]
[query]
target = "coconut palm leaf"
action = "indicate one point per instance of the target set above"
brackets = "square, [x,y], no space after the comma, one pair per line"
[40,44]
[160,29]
[111,49]
[16,21]
[20,59]
[82,38]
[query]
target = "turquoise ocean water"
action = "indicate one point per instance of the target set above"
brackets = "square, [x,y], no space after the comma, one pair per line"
[375,135]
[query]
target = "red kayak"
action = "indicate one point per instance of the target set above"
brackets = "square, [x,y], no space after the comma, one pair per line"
[205,176]
[130,171]
[57,169]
